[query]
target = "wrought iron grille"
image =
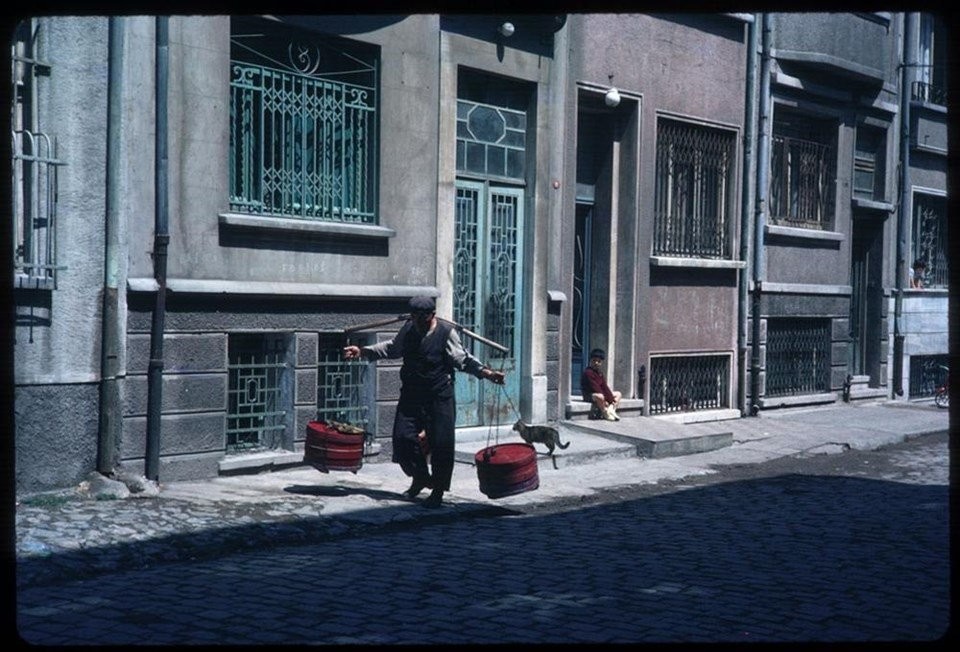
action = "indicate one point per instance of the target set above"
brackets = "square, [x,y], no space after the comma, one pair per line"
[798,356]
[685,383]
[695,167]
[35,166]
[501,309]
[930,238]
[465,261]
[340,385]
[491,140]
[927,373]
[303,141]
[802,176]
[255,410]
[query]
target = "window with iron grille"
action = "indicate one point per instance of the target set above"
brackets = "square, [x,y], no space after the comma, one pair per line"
[927,373]
[930,238]
[932,71]
[798,356]
[869,163]
[685,383]
[35,165]
[802,171]
[256,401]
[695,174]
[342,390]
[303,124]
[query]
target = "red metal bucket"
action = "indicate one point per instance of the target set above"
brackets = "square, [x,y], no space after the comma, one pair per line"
[507,469]
[330,447]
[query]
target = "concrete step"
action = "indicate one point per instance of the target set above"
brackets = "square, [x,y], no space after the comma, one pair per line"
[656,437]
[584,448]
[579,410]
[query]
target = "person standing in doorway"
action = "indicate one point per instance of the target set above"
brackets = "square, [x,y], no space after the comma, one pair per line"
[431,352]
[595,389]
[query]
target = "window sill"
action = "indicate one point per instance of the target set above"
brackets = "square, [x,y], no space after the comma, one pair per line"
[872,204]
[292,226]
[804,234]
[768,402]
[24,282]
[708,263]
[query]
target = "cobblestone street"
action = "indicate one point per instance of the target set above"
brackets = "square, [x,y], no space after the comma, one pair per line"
[792,557]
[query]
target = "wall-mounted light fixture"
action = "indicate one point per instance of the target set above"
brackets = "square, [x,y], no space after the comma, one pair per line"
[612,98]
[506,29]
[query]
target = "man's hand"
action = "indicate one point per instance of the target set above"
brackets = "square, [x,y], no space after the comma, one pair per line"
[351,352]
[496,377]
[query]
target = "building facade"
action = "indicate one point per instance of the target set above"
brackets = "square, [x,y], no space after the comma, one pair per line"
[237,198]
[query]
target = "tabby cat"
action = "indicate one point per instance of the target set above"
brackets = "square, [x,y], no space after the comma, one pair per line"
[546,435]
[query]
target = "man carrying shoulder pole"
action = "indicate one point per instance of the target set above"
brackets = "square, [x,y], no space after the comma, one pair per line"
[431,352]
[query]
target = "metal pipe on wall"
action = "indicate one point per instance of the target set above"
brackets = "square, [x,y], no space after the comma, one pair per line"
[110,409]
[906,64]
[760,208]
[161,239]
[746,212]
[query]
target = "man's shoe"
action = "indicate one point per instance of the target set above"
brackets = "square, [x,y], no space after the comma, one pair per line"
[418,485]
[434,500]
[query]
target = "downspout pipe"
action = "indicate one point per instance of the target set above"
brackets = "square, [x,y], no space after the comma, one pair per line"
[903,223]
[760,208]
[161,239]
[110,409]
[746,212]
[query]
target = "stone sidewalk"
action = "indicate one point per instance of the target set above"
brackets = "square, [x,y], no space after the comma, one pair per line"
[72,534]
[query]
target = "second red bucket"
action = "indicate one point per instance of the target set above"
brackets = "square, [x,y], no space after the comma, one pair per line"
[507,469]
[333,447]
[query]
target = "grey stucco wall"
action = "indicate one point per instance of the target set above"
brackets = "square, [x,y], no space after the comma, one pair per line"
[58,331]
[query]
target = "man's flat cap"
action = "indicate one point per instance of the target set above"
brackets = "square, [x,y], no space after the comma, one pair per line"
[423,304]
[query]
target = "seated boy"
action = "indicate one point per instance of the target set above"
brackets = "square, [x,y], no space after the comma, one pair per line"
[595,389]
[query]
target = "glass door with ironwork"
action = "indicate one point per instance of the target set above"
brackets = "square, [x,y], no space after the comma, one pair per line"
[488,293]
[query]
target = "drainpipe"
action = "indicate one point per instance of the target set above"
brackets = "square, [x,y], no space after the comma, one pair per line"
[110,418]
[161,238]
[902,218]
[760,208]
[746,235]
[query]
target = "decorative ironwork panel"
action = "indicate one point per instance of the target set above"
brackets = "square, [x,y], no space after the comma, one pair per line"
[501,309]
[491,140]
[255,412]
[927,373]
[695,168]
[303,141]
[341,385]
[930,238]
[687,383]
[465,282]
[802,182]
[798,356]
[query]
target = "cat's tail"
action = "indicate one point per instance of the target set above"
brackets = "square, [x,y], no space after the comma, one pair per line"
[561,444]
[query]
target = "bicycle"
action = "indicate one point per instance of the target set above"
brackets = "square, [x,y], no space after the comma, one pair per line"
[942,395]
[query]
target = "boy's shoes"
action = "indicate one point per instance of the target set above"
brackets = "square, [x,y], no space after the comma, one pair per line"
[595,413]
[434,500]
[610,415]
